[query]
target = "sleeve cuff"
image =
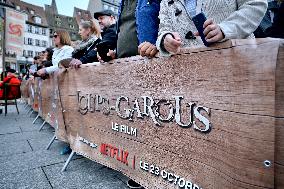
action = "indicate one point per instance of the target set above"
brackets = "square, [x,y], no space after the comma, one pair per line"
[159,43]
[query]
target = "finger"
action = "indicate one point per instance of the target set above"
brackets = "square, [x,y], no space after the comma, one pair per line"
[169,48]
[140,46]
[149,50]
[176,36]
[208,22]
[174,42]
[209,29]
[144,49]
[216,38]
[153,52]
[211,34]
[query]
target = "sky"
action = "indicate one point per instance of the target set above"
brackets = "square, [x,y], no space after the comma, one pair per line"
[65,7]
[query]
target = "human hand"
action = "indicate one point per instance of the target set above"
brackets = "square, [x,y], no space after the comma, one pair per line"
[147,49]
[212,31]
[172,42]
[75,63]
[111,54]
[41,72]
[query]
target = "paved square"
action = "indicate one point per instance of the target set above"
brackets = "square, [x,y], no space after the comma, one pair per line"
[24,162]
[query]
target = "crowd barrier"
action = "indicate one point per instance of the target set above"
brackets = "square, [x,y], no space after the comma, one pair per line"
[206,118]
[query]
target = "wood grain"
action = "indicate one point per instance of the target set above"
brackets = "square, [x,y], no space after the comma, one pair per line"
[238,81]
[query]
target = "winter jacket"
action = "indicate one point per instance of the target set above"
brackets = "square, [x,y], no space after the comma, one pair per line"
[237,19]
[13,91]
[58,55]
[147,21]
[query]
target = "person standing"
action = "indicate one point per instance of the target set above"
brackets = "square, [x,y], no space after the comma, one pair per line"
[62,51]
[234,19]
[85,51]
[137,28]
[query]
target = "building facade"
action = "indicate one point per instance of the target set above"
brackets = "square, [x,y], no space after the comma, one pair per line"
[98,5]
[81,15]
[57,21]
[37,33]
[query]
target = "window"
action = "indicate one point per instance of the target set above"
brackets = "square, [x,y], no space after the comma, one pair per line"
[30,53]
[79,13]
[37,20]
[32,12]
[57,17]
[36,30]
[30,41]
[24,52]
[43,31]
[18,7]
[37,42]
[30,29]
[44,43]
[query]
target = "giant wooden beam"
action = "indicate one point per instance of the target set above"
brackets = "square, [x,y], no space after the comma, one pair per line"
[207,118]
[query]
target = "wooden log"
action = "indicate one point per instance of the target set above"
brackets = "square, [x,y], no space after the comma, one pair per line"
[241,83]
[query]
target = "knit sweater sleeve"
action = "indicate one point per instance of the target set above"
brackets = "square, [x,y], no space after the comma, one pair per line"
[166,23]
[244,21]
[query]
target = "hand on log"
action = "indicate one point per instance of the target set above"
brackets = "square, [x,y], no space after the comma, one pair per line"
[147,49]
[212,32]
[75,63]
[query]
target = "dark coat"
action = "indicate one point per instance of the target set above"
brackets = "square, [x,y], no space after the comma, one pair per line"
[277,28]
[109,39]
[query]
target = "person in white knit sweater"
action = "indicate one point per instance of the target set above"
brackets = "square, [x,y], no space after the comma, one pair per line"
[226,19]
[62,51]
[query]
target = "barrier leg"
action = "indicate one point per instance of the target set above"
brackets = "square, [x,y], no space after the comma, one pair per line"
[31,113]
[42,125]
[50,143]
[68,161]
[36,119]
[29,109]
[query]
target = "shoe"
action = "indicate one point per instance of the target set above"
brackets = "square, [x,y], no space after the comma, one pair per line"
[133,185]
[66,150]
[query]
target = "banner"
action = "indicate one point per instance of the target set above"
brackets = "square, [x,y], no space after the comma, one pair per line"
[207,118]
[15,28]
[198,120]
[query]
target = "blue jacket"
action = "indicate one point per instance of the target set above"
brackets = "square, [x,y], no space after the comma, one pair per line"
[147,20]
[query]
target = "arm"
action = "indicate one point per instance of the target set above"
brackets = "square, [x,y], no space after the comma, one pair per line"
[66,53]
[91,53]
[90,57]
[165,26]
[244,21]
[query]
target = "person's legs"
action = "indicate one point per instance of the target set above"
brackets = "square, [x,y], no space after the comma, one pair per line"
[66,150]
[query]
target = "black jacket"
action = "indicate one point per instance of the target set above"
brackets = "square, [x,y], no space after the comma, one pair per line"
[277,28]
[86,55]
[108,41]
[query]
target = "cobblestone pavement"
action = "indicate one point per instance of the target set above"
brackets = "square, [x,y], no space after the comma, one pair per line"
[24,162]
